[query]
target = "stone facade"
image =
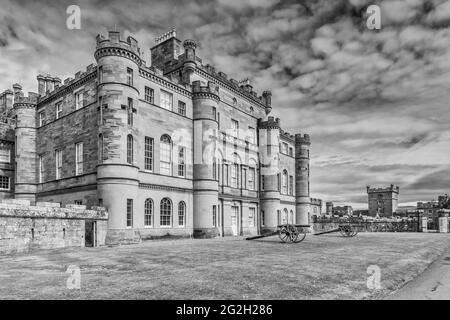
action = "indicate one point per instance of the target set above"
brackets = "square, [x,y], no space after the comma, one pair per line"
[383,202]
[168,148]
[47,226]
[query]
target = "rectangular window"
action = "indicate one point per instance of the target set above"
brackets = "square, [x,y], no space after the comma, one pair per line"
[149,95]
[284,148]
[58,108]
[165,163]
[251,217]
[166,100]
[291,152]
[129,213]
[130,149]
[182,108]
[251,135]
[41,169]
[234,175]
[226,169]
[218,120]
[79,158]
[148,154]
[5,154]
[234,128]
[263,218]
[251,178]
[291,185]
[100,74]
[58,161]
[41,118]
[79,100]
[181,162]
[4,183]
[129,76]
[214,111]
[100,111]
[262,182]
[214,217]
[130,112]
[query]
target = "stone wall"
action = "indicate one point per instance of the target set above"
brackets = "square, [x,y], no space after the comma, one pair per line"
[47,226]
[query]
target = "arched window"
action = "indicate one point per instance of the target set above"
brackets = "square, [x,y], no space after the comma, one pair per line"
[166,212]
[181,214]
[148,213]
[100,148]
[284,216]
[130,149]
[284,182]
[165,155]
[292,217]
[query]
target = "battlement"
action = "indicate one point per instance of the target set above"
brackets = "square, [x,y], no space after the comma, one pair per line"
[114,45]
[58,87]
[210,88]
[391,188]
[244,86]
[317,202]
[287,135]
[302,139]
[270,123]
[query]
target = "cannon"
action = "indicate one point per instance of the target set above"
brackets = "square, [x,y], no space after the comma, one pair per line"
[288,233]
[346,230]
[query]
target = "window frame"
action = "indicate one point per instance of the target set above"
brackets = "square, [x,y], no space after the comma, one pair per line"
[168,209]
[148,213]
[7,154]
[165,103]
[5,180]
[149,148]
[182,214]
[182,108]
[165,155]
[79,163]
[129,221]
[150,94]
[58,164]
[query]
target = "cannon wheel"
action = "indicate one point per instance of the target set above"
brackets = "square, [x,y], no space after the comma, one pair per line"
[285,234]
[348,231]
[290,234]
[300,236]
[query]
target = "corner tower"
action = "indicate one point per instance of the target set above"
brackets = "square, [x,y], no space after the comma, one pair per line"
[206,194]
[302,198]
[24,111]
[269,136]
[117,173]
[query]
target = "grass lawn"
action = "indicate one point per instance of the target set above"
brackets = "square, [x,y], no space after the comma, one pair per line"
[321,267]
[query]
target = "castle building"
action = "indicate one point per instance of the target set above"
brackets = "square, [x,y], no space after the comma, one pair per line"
[383,202]
[174,147]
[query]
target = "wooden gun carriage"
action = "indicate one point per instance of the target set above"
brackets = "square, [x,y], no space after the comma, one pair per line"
[295,233]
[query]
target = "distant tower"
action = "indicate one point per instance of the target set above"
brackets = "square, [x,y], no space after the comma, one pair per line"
[117,175]
[383,202]
[329,208]
[302,201]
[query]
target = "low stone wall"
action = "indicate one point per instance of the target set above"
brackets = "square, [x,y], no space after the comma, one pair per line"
[45,226]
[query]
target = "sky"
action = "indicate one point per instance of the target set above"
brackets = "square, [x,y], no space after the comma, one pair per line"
[375,102]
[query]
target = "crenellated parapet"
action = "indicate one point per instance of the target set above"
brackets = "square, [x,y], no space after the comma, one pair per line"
[270,123]
[114,45]
[302,139]
[203,92]
[391,188]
